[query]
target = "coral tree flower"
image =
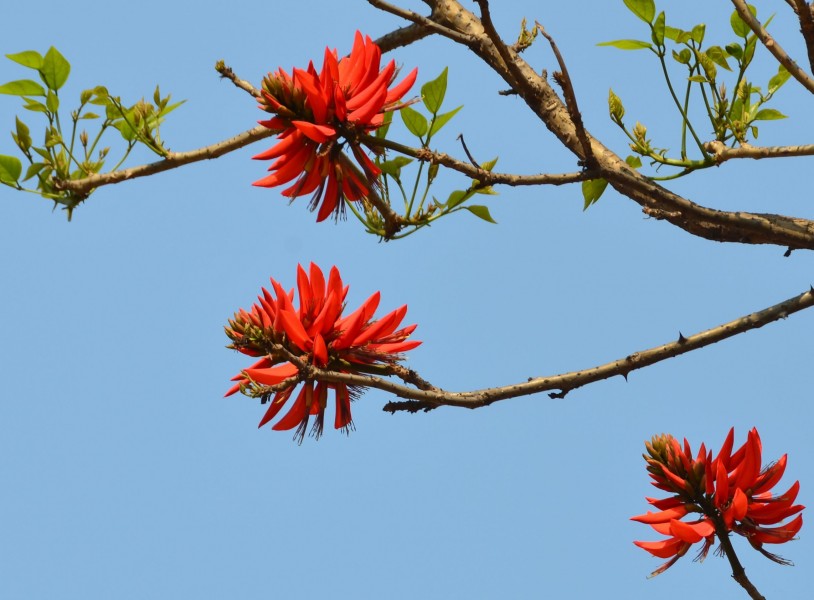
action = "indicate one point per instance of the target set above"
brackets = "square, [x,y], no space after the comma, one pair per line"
[319,113]
[314,333]
[729,491]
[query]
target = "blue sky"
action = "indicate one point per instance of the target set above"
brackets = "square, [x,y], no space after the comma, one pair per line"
[127,475]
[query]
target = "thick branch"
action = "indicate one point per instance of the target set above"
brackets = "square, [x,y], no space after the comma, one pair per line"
[804,14]
[772,46]
[429,397]
[655,200]
[172,161]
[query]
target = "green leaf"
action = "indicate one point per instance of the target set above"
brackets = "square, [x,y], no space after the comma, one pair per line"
[679,36]
[168,109]
[393,167]
[34,106]
[55,69]
[634,161]
[627,44]
[443,119]
[718,56]
[433,92]
[615,107]
[22,87]
[698,79]
[29,58]
[33,169]
[697,33]
[10,169]
[644,9]
[416,122]
[658,30]
[381,132]
[458,197]
[683,57]
[489,164]
[481,212]
[740,28]
[52,101]
[777,81]
[769,114]
[23,135]
[89,115]
[734,50]
[592,190]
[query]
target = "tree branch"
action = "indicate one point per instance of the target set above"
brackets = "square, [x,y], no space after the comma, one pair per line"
[738,572]
[772,46]
[173,160]
[804,15]
[721,152]
[484,177]
[655,200]
[428,397]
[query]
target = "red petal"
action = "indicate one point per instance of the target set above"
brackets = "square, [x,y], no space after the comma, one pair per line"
[402,88]
[298,412]
[280,398]
[318,133]
[272,375]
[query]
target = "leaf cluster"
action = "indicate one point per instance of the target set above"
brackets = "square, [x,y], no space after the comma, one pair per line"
[71,153]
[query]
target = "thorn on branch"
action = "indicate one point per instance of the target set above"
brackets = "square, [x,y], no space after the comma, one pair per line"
[558,395]
[681,338]
[788,252]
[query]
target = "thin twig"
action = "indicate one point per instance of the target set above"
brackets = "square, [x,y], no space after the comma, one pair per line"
[483,176]
[227,73]
[173,160]
[570,100]
[772,46]
[426,399]
[721,152]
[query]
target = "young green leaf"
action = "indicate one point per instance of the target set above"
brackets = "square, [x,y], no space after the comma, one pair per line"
[393,167]
[634,161]
[489,164]
[52,101]
[777,81]
[615,107]
[457,197]
[679,36]
[697,33]
[415,122]
[22,87]
[592,190]
[55,69]
[658,30]
[481,212]
[28,58]
[718,56]
[682,57]
[769,114]
[10,169]
[433,92]
[644,9]
[443,119]
[23,135]
[33,169]
[627,44]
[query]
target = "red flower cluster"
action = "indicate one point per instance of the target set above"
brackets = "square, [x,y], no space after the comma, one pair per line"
[315,333]
[730,492]
[314,111]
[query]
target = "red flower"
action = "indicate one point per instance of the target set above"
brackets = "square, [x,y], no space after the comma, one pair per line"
[730,489]
[315,112]
[316,333]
